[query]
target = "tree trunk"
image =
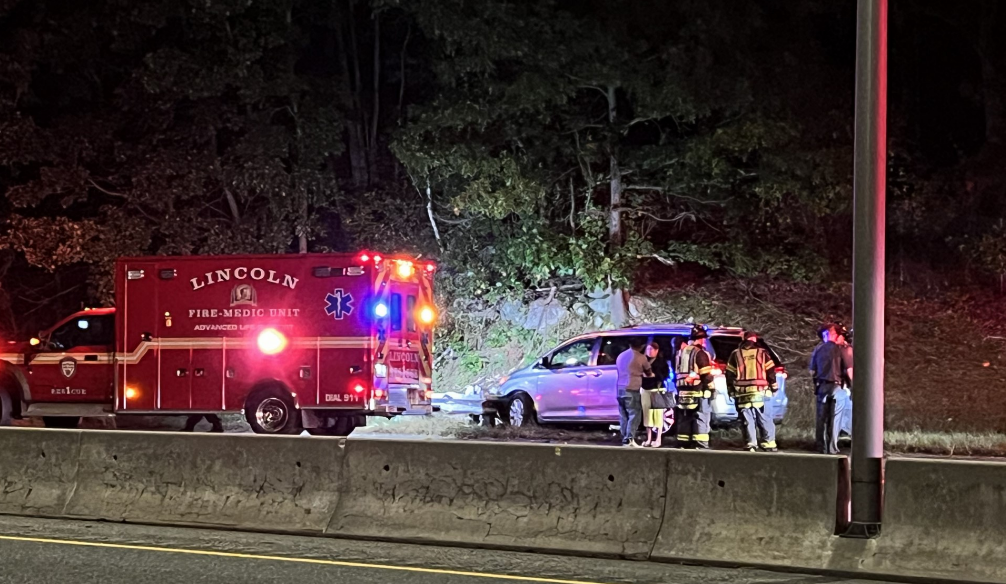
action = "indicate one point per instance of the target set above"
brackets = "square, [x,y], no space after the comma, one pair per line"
[619,298]
[433,218]
[302,236]
[376,97]
[355,127]
[992,84]
[615,210]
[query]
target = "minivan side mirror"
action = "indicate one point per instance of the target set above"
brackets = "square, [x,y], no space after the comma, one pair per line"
[545,362]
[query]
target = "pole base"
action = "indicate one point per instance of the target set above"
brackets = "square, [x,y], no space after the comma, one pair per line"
[862,530]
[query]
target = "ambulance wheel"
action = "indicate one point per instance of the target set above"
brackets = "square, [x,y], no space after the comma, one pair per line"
[271,411]
[67,422]
[6,408]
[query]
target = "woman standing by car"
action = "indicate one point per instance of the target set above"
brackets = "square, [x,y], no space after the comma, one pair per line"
[653,395]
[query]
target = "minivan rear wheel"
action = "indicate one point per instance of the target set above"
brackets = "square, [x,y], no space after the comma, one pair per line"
[520,411]
[669,421]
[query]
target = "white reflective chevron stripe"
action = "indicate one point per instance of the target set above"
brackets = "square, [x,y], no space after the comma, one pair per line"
[186,344]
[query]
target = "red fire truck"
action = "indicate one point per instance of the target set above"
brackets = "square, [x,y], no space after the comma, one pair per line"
[311,341]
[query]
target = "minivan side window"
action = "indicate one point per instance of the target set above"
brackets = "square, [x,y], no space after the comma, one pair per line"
[613,346]
[725,345]
[576,354]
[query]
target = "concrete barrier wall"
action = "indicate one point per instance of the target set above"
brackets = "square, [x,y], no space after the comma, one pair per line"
[37,470]
[242,481]
[581,499]
[745,508]
[943,519]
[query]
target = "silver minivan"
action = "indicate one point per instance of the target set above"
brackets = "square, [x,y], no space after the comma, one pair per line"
[575,382]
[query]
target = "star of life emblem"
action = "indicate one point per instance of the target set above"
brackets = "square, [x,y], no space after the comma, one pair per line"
[339,304]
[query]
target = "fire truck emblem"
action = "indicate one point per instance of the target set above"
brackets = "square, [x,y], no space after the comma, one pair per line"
[340,304]
[244,294]
[68,366]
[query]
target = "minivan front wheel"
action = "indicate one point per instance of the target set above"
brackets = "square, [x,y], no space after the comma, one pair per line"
[520,411]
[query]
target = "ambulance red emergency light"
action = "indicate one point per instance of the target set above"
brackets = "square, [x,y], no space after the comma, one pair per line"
[308,341]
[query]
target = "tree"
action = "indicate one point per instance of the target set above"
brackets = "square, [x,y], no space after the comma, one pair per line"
[209,143]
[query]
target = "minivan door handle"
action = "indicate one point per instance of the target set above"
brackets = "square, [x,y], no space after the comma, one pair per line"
[580,374]
[596,373]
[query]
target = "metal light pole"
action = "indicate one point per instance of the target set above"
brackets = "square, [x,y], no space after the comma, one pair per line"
[868,267]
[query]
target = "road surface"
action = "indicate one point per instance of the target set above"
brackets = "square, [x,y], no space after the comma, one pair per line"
[42,551]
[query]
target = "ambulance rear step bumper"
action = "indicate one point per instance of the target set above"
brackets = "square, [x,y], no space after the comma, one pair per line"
[70,410]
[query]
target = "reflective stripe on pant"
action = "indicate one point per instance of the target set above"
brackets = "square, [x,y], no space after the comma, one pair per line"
[829,418]
[757,424]
[693,425]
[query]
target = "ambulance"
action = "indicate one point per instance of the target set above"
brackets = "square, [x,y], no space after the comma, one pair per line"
[313,342]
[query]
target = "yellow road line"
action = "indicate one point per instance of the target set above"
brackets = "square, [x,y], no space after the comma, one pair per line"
[289,559]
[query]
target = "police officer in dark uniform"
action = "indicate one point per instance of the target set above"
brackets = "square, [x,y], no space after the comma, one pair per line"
[829,366]
[750,379]
[693,375]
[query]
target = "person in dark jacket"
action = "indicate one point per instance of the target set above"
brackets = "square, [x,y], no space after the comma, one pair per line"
[829,365]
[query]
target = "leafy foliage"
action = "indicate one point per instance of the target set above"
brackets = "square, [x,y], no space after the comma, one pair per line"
[524,144]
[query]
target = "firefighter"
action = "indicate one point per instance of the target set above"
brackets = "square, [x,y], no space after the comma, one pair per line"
[829,365]
[750,379]
[694,378]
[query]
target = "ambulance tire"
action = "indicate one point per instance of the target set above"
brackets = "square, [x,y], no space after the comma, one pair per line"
[270,403]
[65,422]
[6,408]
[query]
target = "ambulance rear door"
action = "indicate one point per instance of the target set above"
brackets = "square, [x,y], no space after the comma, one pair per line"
[408,354]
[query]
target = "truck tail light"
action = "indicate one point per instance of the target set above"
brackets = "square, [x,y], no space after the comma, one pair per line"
[271,341]
[378,394]
[431,268]
[427,315]
[358,388]
[377,259]
[131,393]
[405,269]
[380,370]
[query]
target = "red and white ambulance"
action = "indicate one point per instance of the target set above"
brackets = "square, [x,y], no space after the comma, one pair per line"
[310,341]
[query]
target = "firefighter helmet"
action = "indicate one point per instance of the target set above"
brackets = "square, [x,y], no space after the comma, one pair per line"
[841,330]
[698,332]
